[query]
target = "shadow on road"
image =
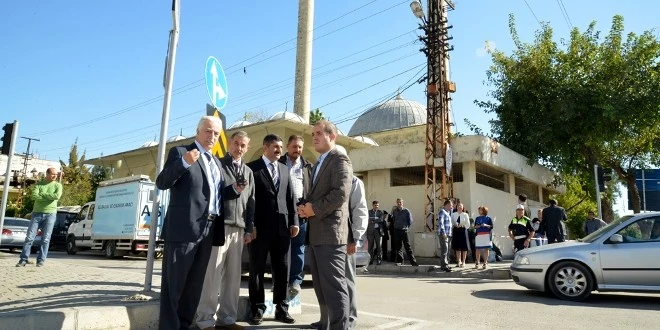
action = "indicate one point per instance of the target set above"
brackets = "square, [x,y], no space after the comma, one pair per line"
[597,300]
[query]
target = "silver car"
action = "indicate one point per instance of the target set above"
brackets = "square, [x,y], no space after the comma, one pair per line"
[14,231]
[623,256]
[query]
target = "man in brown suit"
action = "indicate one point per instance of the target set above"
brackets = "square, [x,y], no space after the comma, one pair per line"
[327,211]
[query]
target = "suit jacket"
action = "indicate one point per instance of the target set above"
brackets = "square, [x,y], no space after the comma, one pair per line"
[186,217]
[551,219]
[276,209]
[306,172]
[238,209]
[329,197]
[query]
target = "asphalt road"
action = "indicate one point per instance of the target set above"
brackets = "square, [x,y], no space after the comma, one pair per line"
[399,302]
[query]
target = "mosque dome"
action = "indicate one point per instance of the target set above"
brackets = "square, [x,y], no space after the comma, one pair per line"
[149,144]
[287,116]
[240,124]
[176,138]
[393,114]
[366,139]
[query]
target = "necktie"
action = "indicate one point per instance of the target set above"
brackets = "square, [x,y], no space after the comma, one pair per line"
[276,176]
[215,176]
[237,168]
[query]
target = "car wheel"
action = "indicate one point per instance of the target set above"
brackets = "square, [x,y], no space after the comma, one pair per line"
[71,245]
[570,280]
[111,250]
[12,250]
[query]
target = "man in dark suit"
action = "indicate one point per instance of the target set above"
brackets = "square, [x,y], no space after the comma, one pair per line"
[327,211]
[193,176]
[300,172]
[275,222]
[551,219]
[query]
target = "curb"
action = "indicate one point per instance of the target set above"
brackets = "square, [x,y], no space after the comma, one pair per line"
[434,271]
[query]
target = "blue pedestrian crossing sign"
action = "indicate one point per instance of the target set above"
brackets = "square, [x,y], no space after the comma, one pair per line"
[216,83]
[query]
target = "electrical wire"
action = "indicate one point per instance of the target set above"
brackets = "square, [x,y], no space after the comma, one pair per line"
[530,9]
[564,13]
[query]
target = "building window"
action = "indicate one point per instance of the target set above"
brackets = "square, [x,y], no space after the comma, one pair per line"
[407,176]
[546,196]
[527,188]
[457,172]
[491,177]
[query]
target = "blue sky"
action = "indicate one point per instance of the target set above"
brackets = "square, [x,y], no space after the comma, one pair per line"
[92,70]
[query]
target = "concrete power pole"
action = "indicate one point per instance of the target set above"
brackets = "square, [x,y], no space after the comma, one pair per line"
[304,59]
[437,152]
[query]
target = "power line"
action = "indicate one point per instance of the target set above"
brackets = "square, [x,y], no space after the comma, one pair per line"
[199,82]
[562,8]
[530,9]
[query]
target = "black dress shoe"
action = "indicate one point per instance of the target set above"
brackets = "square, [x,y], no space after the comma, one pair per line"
[446,269]
[283,316]
[315,325]
[258,317]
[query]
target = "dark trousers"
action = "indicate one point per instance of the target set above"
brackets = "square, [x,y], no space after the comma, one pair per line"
[555,238]
[401,238]
[184,266]
[386,242]
[277,247]
[519,244]
[328,265]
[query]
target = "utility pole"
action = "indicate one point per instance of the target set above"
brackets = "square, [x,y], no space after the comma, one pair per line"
[301,96]
[26,158]
[437,153]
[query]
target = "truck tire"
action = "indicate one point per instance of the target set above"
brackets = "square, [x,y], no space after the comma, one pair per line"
[110,249]
[71,245]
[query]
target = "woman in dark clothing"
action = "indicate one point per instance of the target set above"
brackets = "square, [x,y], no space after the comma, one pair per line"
[460,222]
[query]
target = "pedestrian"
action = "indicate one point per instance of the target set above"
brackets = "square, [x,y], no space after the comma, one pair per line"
[327,210]
[522,199]
[444,234]
[402,222]
[592,223]
[375,232]
[218,305]
[45,195]
[275,223]
[520,229]
[386,236]
[536,225]
[358,219]
[551,222]
[193,176]
[483,241]
[300,171]
[460,222]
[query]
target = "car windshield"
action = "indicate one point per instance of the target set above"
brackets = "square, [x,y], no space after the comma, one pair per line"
[595,235]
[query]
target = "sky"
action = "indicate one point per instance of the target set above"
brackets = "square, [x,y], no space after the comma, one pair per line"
[91,72]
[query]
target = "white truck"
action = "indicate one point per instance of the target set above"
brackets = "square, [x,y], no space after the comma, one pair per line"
[118,221]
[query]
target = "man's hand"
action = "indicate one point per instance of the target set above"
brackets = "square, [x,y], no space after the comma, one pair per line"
[254,233]
[294,230]
[247,238]
[238,188]
[306,210]
[191,156]
[351,248]
[526,243]
[444,236]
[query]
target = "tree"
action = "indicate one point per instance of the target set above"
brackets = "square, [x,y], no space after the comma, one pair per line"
[587,101]
[76,180]
[315,116]
[98,174]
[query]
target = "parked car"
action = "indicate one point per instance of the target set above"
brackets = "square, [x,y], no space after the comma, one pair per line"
[622,256]
[65,215]
[14,231]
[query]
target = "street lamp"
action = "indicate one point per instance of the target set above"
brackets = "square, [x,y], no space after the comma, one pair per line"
[417,10]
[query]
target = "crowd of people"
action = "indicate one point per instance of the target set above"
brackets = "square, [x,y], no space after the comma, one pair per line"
[278,205]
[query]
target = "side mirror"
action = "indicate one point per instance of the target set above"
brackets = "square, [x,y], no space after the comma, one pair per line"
[616,238]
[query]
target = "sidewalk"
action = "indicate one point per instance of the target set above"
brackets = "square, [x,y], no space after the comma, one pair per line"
[58,297]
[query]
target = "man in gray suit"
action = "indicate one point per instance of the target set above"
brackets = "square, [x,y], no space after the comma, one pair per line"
[327,211]
[193,176]
[218,305]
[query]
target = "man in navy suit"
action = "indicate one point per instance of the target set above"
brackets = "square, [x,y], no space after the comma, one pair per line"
[275,222]
[193,176]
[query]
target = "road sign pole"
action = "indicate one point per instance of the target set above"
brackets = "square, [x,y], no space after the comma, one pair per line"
[5,191]
[600,211]
[162,144]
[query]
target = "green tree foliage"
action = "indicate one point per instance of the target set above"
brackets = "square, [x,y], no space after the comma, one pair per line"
[98,174]
[76,180]
[315,116]
[584,101]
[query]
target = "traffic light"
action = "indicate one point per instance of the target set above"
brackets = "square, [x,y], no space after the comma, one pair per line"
[601,180]
[607,174]
[6,139]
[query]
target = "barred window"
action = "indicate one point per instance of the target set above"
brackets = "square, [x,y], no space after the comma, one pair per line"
[407,176]
[491,177]
[527,188]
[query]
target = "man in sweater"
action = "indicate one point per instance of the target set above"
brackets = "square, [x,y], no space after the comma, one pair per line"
[218,306]
[46,193]
[402,222]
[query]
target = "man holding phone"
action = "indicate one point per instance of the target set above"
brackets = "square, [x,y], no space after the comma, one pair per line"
[218,306]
